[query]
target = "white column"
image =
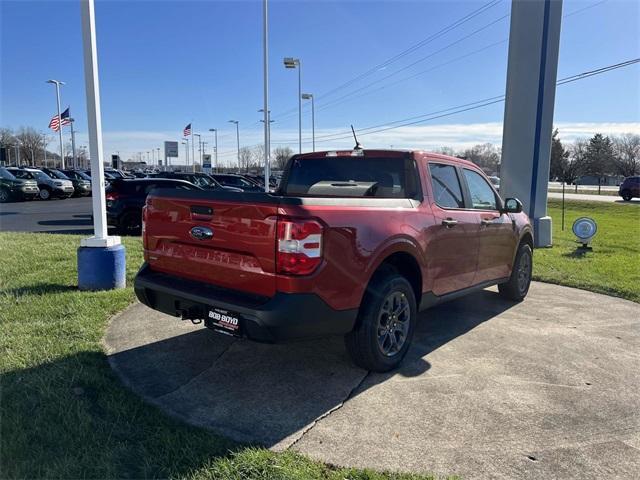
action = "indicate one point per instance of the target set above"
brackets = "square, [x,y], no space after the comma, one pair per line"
[94,121]
[528,115]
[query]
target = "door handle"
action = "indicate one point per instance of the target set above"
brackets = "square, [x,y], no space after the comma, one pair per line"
[488,221]
[449,222]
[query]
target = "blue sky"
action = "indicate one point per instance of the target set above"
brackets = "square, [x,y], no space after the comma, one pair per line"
[164,64]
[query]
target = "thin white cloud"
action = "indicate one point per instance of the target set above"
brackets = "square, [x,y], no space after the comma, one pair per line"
[424,137]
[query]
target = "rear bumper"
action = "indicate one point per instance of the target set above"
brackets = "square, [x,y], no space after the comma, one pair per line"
[283,317]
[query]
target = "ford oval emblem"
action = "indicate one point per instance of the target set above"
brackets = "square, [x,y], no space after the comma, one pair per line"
[201,233]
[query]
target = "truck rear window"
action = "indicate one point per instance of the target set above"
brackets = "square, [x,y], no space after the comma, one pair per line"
[352,177]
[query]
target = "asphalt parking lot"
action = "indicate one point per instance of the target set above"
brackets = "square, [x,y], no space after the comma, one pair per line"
[71,215]
[547,388]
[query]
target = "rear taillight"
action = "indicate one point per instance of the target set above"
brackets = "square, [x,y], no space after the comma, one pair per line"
[299,246]
[111,196]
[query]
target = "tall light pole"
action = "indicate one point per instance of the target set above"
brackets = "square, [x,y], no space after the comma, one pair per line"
[204,151]
[73,144]
[267,126]
[237,139]
[158,150]
[309,96]
[185,142]
[215,148]
[44,143]
[57,83]
[268,144]
[290,62]
[199,150]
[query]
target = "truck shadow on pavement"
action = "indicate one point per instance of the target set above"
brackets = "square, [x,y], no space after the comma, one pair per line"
[259,393]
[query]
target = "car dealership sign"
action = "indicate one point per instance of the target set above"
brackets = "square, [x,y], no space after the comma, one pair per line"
[171,149]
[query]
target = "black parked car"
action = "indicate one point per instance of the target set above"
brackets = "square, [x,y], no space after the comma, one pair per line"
[125,199]
[80,180]
[237,181]
[202,180]
[12,188]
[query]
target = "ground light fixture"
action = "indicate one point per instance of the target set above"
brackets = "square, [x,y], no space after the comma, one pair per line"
[584,228]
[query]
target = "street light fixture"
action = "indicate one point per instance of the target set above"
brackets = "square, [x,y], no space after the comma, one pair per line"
[237,139]
[309,96]
[290,62]
[57,83]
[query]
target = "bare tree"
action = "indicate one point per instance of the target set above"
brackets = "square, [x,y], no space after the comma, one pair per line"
[280,157]
[627,154]
[7,140]
[486,156]
[31,144]
[6,137]
[258,156]
[447,151]
[575,163]
[244,158]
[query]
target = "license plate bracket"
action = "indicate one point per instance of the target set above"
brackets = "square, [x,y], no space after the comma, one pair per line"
[224,321]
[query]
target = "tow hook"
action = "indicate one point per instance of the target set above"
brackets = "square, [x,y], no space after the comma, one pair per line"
[194,314]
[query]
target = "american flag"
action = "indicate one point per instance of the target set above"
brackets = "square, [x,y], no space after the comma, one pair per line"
[187,131]
[64,116]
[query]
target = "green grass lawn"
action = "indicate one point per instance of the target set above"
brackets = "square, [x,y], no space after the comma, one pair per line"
[613,267]
[64,414]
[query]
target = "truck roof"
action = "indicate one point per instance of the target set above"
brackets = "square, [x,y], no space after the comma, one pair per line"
[383,152]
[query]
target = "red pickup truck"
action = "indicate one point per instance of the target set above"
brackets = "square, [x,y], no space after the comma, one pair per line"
[353,243]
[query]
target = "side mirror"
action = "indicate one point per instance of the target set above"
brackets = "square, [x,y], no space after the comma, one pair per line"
[512,205]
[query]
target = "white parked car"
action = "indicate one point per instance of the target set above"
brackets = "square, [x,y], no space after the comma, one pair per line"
[49,187]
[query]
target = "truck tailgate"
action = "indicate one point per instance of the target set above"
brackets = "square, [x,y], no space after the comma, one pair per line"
[240,253]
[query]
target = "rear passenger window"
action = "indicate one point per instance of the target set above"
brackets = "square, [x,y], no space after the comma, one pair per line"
[482,195]
[446,186]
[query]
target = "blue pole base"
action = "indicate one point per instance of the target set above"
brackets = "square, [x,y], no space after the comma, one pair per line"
[102,268]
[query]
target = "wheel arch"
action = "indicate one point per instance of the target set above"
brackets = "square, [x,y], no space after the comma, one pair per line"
[527,238]
[404,263]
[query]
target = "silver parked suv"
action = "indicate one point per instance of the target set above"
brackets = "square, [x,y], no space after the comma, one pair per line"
[49,187]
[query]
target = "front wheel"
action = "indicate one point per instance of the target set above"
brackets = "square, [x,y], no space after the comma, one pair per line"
[385,324]
[517,287]
[626,196]
[45,194]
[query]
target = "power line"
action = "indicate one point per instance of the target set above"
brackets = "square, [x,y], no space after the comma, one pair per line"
[417,74]
[403,53]
[459,108]
[344,97]
[340,100]
[415,47]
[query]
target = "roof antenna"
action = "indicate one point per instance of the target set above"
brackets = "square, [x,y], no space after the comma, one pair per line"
[358,146]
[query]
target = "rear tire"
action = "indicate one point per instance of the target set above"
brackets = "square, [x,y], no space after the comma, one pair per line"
[517,287]
[130,223]
[5,196]
[626,196]
[385,323]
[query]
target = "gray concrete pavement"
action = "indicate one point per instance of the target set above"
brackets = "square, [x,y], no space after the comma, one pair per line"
[584,197]
[71,215]
[548,388]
